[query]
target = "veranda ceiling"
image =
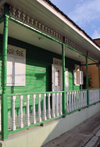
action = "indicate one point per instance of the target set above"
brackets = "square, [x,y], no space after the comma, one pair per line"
[43,12]
[21,33]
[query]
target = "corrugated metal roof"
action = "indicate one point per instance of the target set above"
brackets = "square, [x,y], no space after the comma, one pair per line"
[58,10]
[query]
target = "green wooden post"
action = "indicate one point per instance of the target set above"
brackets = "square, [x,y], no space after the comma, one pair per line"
[63,79]
[87,81]
[4,111]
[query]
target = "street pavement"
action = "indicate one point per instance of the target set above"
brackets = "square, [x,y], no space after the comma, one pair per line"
[87,134]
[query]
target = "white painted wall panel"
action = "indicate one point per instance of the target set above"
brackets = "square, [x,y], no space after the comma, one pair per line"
[19,72]
[16,66]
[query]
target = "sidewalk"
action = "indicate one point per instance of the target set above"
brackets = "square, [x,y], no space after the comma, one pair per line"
[87,134]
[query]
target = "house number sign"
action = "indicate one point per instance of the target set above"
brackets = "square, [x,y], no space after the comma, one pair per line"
[13,50]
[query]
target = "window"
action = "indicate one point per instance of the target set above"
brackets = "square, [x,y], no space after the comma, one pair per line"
[16,58]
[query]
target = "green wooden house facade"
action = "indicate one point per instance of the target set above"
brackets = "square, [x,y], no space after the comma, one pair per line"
[41,55]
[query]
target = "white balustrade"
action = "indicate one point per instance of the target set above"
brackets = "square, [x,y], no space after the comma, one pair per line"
[85,97]
[82,102]
[72,101]
[91,96]
[76,100]
[67,102]
[39,107]
[60,109]
[94,96]
[34,113]
[97,95]
[27,100]
[57,100]
[79,99]
[44,107]
[53,105]
[49,114]
[13,113]
[21,111]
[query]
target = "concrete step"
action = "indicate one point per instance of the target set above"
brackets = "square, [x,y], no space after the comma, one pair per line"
[94,142]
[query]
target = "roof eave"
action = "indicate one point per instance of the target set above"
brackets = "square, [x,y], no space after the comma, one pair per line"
[67,18]
[2,2]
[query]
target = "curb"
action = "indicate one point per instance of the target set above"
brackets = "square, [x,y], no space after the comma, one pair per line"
[95,141]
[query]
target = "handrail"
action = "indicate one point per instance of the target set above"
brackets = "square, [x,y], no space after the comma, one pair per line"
[95,89]
[32,93]
[76,90]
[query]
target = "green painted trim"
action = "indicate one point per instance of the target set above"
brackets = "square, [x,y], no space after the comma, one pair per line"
[87,87]
[92,59]
[42,123]
[36,31]
[4,106]
[89,64]
[82,108]
[76,90]
[77,110]
[11,132]
[87,97]
[94,103]
[1,19]
[75,50]
[30,93]
[80,53]
[94,89]
[63,80]
[47,36]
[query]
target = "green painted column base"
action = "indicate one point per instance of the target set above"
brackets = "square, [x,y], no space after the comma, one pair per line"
[4,117]
[64,104]
[87,97]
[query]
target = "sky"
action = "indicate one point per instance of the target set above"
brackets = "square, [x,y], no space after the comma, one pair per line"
[85,13]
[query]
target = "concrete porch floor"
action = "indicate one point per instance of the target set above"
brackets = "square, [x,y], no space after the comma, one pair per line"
[87,134]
